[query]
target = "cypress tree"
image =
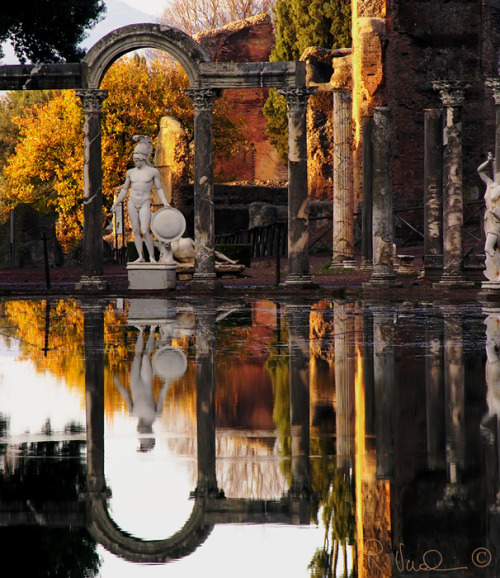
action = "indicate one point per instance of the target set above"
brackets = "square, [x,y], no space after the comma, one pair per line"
[300,24]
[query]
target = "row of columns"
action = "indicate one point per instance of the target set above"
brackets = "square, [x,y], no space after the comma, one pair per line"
[204,226]
[443,187]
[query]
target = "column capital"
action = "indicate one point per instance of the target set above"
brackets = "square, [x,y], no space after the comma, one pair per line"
[203,98]
[296,98]
[451,92]
[92,98]
[494,84]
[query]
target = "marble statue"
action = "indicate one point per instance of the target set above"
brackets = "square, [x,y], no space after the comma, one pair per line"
[184,250]
[491,221]
[139,181]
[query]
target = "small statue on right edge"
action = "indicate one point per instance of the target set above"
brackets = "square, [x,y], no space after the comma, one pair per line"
[491,221]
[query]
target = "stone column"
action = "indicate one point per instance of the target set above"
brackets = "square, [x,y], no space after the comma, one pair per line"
[494,84]
[93,330]
[367,210]
[93,267]
[298,320]
[383,228]
[452,97]
[298,218]
[383,382]
[433,192]
[454,384]
[343,196]
[205,403]
[204,276]
[344,382]
[435,395]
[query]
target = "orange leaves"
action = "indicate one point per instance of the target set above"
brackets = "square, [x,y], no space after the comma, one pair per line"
[46,170]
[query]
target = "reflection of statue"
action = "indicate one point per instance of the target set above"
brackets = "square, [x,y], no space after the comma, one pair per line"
[140,181]
[142,405]
[491,222]
[492,323]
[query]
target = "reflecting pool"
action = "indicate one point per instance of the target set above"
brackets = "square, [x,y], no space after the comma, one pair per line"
[248,437]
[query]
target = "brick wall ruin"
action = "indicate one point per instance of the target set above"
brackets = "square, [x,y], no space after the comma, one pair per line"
[399,48]
[248,40]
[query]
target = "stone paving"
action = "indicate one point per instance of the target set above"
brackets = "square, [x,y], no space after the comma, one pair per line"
[260,278]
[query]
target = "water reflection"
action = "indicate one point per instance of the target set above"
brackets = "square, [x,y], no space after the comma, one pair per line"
[368,431]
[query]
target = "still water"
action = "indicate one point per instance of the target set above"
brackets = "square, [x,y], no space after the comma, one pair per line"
[247,437]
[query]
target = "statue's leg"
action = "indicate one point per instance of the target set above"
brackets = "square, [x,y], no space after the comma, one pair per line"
[145,218]
[133,214]
[490,244]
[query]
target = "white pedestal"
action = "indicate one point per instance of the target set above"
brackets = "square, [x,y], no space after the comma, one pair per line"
[151,276]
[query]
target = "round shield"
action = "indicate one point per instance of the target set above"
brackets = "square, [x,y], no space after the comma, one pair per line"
[168,224]
[169,362]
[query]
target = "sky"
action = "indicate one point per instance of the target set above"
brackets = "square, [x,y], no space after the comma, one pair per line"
[119,13]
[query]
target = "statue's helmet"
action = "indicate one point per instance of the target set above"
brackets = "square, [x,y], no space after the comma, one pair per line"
[144,146]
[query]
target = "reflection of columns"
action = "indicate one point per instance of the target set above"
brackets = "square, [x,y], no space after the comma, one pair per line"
[344,381]
[383,235]
[298,218]
[204,216]
[452,96]
[435,395]
[433,192]
[454,384]
[383,384]
[205,403]
[93,329]
[298,321]
[366,238]
[343,198]
[93,268]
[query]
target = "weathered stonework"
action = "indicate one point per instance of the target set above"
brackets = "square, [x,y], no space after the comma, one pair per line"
[248,40]
[399,49]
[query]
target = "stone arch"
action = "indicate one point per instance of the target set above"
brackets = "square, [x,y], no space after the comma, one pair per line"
[135,36]
[105,531]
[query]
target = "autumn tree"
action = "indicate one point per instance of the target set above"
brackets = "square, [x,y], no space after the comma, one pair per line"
[16,104]
[46,170]
[194,16]
[300,24]
[48,30]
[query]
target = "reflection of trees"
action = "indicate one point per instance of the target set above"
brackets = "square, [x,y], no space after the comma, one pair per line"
[46,471]
[337,515]
[54,342]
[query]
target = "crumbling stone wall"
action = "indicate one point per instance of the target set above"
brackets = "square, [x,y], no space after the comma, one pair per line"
[248,40]
[399,48]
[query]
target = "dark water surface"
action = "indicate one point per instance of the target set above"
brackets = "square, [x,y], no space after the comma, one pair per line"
[248,438]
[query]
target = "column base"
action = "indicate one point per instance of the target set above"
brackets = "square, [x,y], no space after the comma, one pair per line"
[299,282]
[382,281]
[204,281]
[366,266]
[490,285]
[96,284]
[453,282]
[345,264]
[207,491]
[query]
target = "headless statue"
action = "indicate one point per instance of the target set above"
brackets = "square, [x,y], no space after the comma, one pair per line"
[491,221]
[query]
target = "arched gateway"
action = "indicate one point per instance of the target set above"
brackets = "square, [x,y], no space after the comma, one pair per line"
[206,80]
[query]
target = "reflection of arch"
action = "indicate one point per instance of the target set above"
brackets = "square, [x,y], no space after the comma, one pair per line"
[104,530]
[117,43]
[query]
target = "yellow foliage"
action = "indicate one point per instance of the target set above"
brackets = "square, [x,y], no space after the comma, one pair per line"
[46,170]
